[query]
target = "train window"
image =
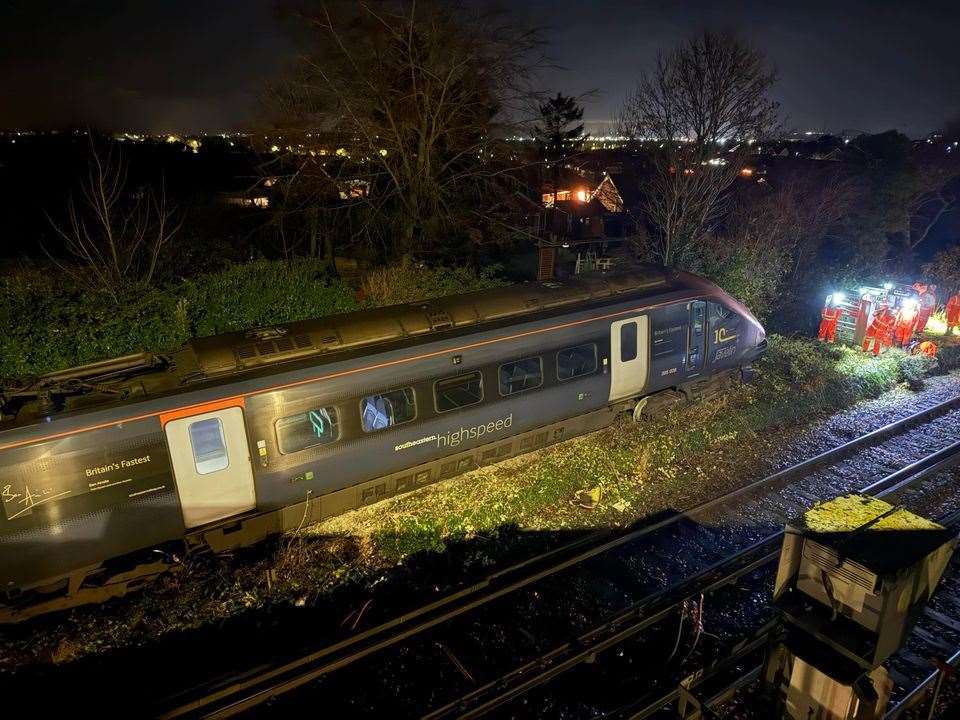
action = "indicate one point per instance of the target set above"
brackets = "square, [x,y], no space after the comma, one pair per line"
[696,318]
[576,361]
[208,445]
[521,375]
[308,429]
[721,312]
[628,342]
[458,392]
[396,407]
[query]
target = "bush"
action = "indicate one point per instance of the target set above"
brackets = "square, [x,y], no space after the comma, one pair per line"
[915,367]
[410,281]
[948,357]
[262,292]
[753,272]
[800,362]
[50,323]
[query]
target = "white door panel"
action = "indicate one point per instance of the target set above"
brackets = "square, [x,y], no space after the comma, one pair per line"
[628,356]
[211,464]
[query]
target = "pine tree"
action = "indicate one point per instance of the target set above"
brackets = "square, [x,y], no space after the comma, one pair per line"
[560,131]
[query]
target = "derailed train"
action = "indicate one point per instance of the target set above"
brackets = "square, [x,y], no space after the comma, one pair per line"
[107,467]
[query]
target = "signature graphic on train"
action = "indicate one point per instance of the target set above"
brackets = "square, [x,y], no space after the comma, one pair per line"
[29,499]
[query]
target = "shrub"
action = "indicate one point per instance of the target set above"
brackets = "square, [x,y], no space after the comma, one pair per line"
[262,292]
[915,367]
[749,268]
[800,362]
[409,281]
[948,357]
[51,323]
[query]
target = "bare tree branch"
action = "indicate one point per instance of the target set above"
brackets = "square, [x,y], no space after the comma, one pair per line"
[699,110]
[115,236]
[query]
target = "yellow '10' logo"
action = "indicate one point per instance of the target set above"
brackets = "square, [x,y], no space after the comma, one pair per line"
[720,336]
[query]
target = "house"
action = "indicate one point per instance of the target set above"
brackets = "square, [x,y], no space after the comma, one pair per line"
[584,224]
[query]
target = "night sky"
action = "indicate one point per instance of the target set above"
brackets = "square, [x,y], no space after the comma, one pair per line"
[199,64]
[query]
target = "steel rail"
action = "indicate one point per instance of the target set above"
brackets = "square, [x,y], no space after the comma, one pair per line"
[951,520]
[915,695]
[661,604]
[238,692]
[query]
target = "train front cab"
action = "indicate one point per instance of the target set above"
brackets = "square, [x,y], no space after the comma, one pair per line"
[212,466]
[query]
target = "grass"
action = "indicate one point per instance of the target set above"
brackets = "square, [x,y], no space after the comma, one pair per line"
[479,519]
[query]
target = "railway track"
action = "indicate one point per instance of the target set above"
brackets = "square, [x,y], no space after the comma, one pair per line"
[757,562]
[931,652]
[622,564]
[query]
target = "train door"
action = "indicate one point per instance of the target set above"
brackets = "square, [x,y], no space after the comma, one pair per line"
[211,464]
[696,337]
[628,351]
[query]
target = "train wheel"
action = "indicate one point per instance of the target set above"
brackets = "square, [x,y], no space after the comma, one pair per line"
[639,410]
[653,406]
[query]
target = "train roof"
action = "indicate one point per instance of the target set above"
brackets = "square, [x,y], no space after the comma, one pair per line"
[236,351]
[220,357]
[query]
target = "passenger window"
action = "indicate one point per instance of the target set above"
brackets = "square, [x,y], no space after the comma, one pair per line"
[628,342]
[378,412]
[208,445]
[308,429]
[521,375]
[458,392]
[576,361]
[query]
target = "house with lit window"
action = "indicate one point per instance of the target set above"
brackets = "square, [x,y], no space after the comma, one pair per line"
[585,225]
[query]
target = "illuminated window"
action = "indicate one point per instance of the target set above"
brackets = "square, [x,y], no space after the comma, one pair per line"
[458,392]
[378,412]
[628,342]
[521,375]
[308,429]
[563,195]
[576,361]
[208,445]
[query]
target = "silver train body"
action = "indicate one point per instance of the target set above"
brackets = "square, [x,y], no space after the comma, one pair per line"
[241,436]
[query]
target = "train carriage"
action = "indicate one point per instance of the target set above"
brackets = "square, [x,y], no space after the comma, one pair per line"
[105,468]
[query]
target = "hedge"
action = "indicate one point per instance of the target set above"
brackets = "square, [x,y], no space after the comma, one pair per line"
[49,322]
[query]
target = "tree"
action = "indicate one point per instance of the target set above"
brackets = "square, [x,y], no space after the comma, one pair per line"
[559,132]
[114,233]
[944,270]
[700,108]
[399,111]
[764,250]
[930,193]
[912,188]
